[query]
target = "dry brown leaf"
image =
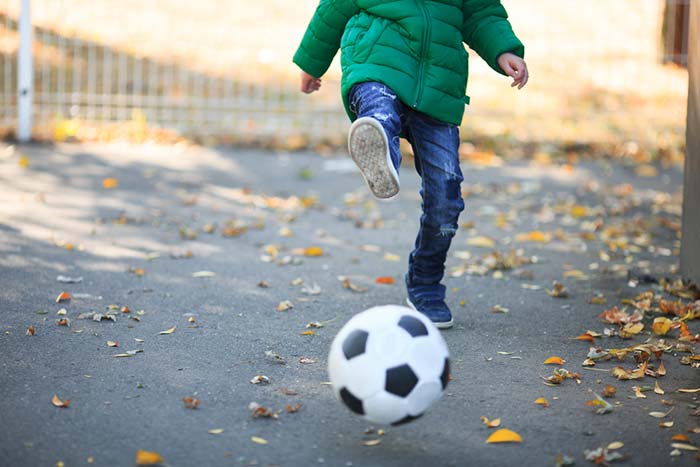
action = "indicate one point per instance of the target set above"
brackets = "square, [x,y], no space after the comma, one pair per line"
[558,290]
[585,337]
[30,331]
[148,458]
[293,408]
[191,402]
[504,436]
[55,400]
[609,391]
[681,437]
[638,392]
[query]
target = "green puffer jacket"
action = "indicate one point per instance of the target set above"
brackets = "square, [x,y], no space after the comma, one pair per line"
[413,46]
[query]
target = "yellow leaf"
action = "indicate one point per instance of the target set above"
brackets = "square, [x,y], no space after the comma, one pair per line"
[554,361]
[496,422]
[168,331]
[504,436]
[615,445]
[110,183]
[313,251]
[23,161]
[661,326]
[258,440]
[215,431]
[148,458]
[542,401]
[647,170]
[307,333]
[579,211]
[481,241]
[534,236]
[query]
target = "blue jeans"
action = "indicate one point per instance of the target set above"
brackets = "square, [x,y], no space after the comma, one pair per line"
[436,149]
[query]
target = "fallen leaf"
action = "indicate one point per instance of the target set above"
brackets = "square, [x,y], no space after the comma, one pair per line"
[148,458]
[662,370]
[63,322]
[258,440]
[542,401]
[293,408]
[658,390]
[504,436]
[306,360]
[260,379]
[285,305]
[110,183]
[257,410]
[313,251]
[201,274]
[558,290]
[59,403]
[482,242]
[603,405]
[496,422]
[308,332]
[112,344]
[681,437]
[668,424]
[554,361]
[372,442]
[215,431]
[616,316]
[685,447]
[168,331]
[499,309]
[348,284]
[384,280]
[615,445]
[191,402]
[585,337]
[289,392]
[660,414]
[609,391]
[661,326]
[638,392]
[535,236]
[689,391]
[63,296]
[30,331]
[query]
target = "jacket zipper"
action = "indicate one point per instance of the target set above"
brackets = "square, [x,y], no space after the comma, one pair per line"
[424,46]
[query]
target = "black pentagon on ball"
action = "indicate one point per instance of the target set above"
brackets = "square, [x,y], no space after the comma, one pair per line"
[406,419]
[400,380]
[413,326]
[352,402]
[445,376]
[355,343]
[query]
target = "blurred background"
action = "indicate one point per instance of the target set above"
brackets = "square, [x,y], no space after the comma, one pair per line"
[608,77]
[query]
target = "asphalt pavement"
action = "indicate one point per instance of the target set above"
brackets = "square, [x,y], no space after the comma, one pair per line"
[181,257]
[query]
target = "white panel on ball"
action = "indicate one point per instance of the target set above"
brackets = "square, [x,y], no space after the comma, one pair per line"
[385,408]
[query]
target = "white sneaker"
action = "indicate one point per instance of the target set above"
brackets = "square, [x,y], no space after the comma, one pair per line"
[369,148]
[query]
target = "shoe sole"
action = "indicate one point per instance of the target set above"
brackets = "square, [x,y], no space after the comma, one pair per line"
[369,148]
[439,324]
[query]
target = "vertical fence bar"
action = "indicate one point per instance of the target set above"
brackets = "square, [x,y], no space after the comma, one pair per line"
[24,75]
[690,245]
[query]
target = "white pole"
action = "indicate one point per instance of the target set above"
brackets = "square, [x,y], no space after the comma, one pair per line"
[24,75]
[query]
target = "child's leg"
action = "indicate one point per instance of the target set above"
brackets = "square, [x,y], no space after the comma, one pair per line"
[436,148]
[373,141]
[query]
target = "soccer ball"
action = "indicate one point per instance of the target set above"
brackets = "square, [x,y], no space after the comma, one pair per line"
[389,364]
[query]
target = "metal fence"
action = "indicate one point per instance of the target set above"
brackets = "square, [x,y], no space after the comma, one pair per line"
[222,71]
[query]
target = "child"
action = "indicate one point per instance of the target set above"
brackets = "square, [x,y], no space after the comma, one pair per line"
[404,74]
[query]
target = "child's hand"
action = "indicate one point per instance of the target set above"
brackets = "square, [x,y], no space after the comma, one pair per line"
[515,67]
[309,84]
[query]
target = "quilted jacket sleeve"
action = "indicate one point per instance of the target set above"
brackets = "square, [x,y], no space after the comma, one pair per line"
[486,30]
[322,38]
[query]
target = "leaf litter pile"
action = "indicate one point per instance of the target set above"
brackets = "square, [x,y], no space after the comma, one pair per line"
[517,227]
